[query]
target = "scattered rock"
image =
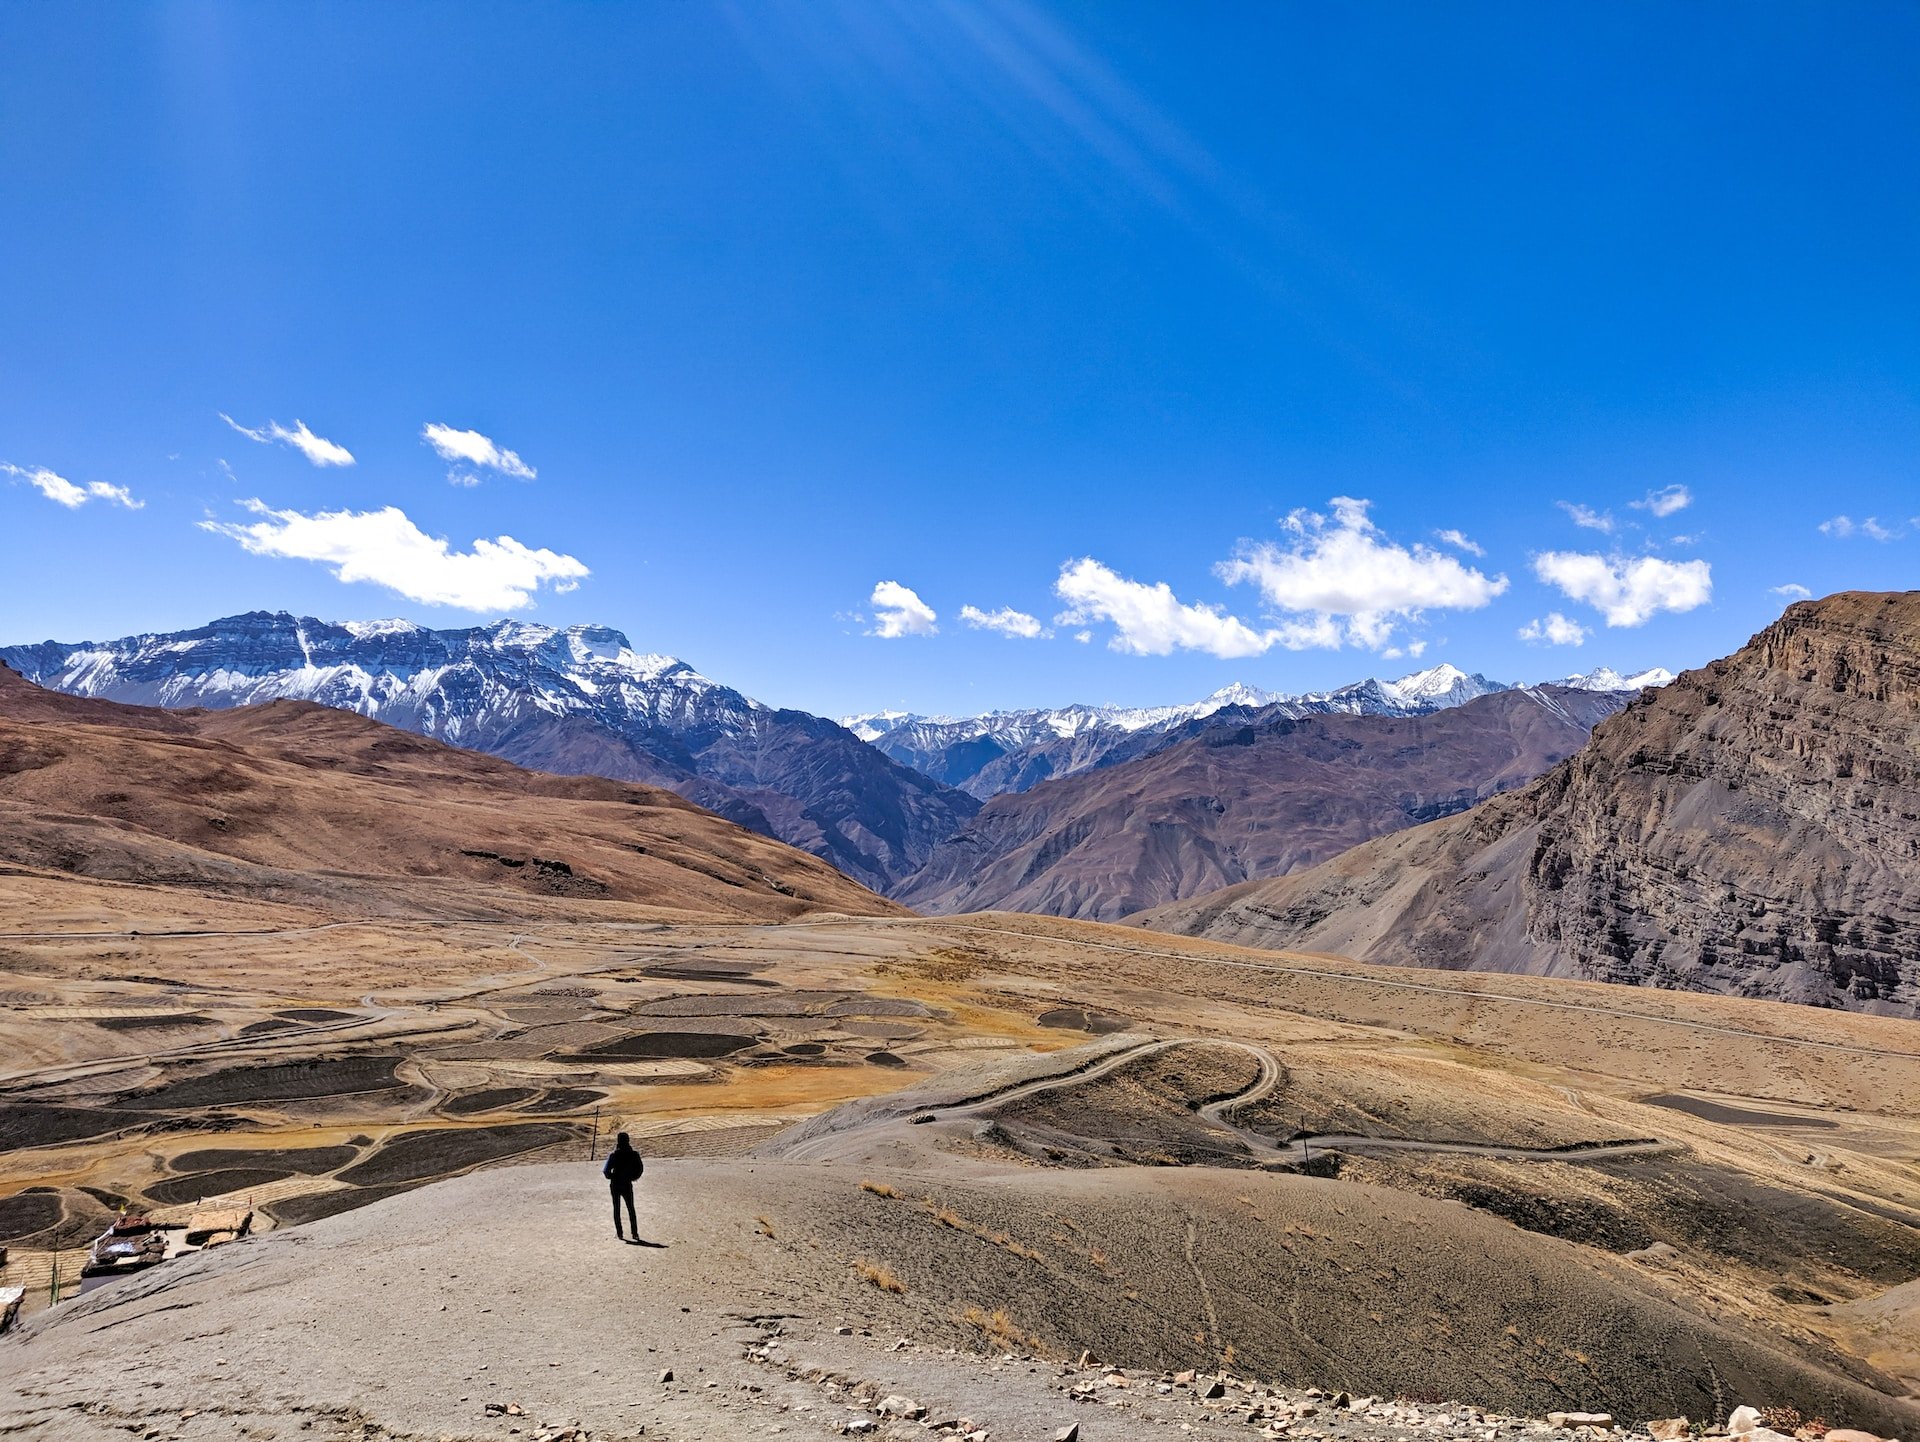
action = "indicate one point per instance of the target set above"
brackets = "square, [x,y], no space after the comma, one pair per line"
[1851,1434]
[666,1375]
[1601,1421]
[1068,1433]
[1669,1429]
[1214,1389]
[1741,1421]
[898,1406]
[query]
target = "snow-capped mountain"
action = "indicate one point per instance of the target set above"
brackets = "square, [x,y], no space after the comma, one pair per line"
[1012,750]
[1004,751]
[1608,679]
[580,700]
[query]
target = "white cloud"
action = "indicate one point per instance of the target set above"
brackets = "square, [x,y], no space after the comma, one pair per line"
[1345,583]
[899,611]
[1555,629]
[1845,527]
[1627,592]
[388,549]
[1149,620]
[1792,590]
[1664,502]
[59,489]
[1006,621]
[1459,541]
[318,449]
[1083,637]
[1586,516]
[473,449]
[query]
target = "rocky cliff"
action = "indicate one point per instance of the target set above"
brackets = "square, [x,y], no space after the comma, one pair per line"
[1752,828]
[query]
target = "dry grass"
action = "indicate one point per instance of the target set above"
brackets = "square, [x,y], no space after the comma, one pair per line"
[948,964]
[998,1326]
[880,1275]
[946,1217]
[879,1189]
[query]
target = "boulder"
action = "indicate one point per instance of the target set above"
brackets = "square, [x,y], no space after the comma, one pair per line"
[1669,1429]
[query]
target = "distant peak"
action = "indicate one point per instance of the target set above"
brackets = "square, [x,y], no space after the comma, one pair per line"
[1605,678]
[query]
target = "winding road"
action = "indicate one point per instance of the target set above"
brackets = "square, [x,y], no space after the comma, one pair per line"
[1302,1149]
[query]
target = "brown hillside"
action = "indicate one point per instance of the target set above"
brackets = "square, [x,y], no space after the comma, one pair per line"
[301,803]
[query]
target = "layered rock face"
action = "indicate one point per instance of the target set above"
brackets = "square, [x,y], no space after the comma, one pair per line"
[1752,828]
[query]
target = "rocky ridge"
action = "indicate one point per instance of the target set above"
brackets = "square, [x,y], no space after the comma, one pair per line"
[1750,829]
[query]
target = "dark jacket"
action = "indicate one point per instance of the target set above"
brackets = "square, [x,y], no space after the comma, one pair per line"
[623,1167]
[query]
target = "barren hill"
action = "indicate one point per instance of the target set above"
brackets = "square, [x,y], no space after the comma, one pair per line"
[293,802]
[1260,797]
[1749,829]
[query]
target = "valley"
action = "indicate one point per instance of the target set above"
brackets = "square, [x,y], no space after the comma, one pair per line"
[1736,1170]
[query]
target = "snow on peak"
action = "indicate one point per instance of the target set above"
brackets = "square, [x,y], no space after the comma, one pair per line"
[374,630]
[1605,678]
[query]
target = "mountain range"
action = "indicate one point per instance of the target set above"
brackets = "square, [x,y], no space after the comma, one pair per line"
[1004,751]
[873,796]
[579,701]
[1245,794]
[1748,829]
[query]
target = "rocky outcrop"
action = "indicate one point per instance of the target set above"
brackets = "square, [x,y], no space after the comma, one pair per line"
[1752,828]
[1240,795]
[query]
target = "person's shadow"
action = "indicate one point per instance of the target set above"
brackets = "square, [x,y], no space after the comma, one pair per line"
[643,1242]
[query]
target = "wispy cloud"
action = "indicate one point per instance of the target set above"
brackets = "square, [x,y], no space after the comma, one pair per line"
[1667,501]
[898,611]
[1554,629]
[470,448]
[1343,581]
[71,494]
[1587,516]
[1006,621]
[1459,541]
[386,548]
[1844,528]
[1627,592]
[1792,590]
[318,449]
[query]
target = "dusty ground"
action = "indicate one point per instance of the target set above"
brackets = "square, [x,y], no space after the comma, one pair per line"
[1604,1170]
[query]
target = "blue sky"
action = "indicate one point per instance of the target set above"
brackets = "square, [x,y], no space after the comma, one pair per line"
[1107,315]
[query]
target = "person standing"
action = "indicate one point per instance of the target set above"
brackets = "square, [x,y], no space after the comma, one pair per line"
[622,1170]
